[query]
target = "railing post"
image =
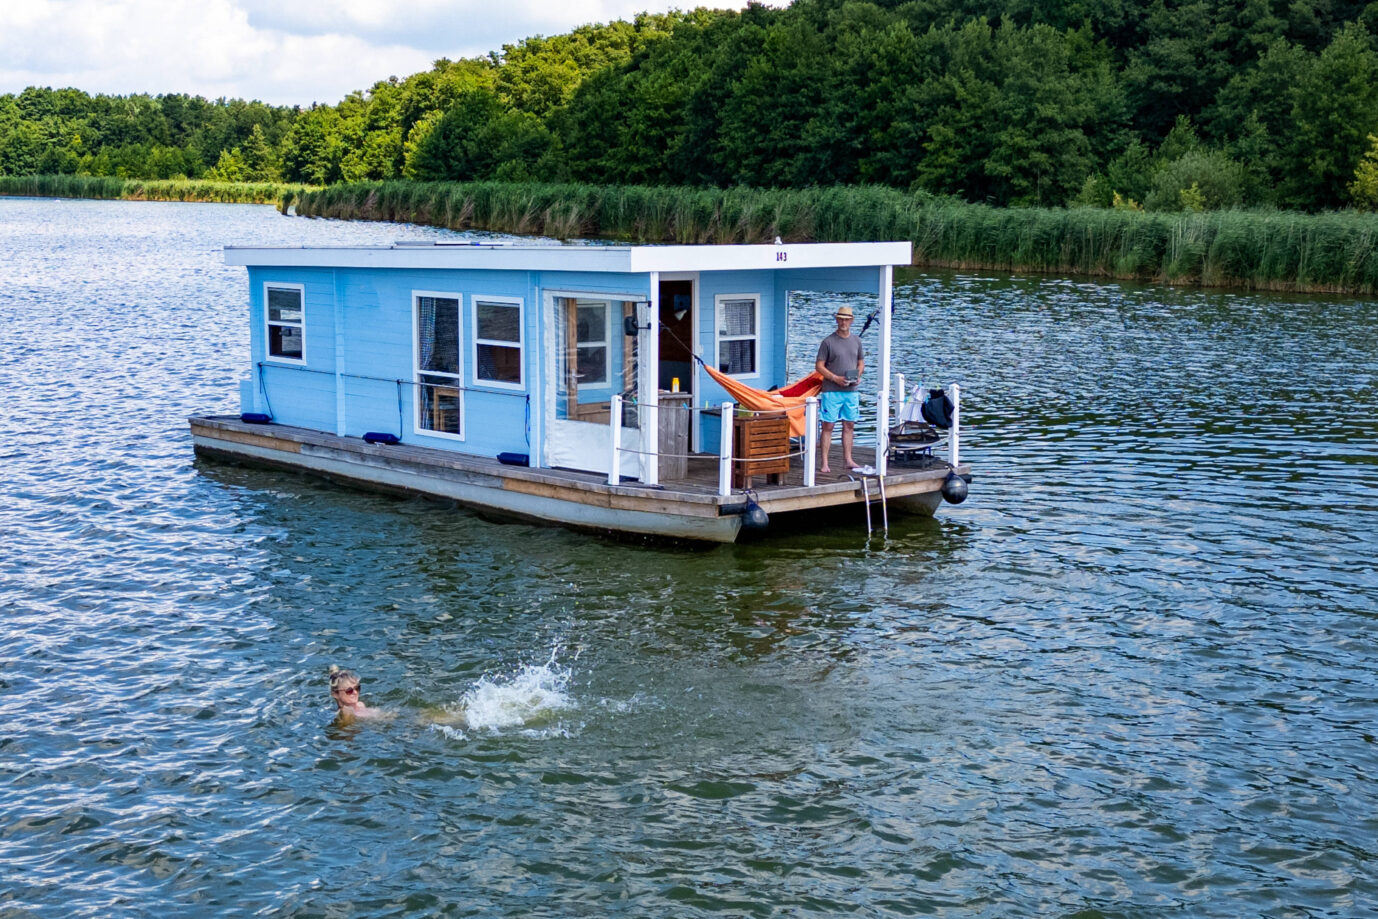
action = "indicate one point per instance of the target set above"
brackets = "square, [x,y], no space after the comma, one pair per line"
[882,430]
[954,448]
[649,415]
[725,451]
[810,441]
[615,428]
[903,398]
[649,387]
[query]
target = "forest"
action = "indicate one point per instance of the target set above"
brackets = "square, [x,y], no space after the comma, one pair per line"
[1168,105]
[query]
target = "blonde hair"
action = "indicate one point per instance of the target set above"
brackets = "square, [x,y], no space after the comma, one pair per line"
[338,676]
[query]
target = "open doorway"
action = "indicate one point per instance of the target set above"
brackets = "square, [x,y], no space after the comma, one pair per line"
[675,376]
[676,335]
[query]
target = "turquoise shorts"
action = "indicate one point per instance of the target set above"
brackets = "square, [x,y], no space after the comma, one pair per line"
[840,406]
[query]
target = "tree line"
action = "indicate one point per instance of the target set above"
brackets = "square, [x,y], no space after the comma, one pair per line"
[1167,105]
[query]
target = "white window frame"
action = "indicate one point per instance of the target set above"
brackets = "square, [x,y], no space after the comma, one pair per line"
[268,323]
[719,338]
[607,300]
[417,372]
[520,343]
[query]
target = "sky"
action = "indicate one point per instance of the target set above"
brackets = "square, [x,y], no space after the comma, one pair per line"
[285,52]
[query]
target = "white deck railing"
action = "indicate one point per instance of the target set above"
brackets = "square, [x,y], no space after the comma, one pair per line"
[954,437]
[615,428]
[728,412]
[954,457]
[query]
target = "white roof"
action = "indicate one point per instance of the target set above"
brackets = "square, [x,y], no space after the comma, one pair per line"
[623,259]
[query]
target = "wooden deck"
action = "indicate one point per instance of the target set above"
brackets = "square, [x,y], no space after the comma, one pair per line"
[688,507]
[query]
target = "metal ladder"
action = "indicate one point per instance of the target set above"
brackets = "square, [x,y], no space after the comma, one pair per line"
[884,510]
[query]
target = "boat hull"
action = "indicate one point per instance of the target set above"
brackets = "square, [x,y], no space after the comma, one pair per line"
[560,497]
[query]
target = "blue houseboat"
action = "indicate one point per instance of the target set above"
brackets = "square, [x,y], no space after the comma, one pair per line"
[601,387]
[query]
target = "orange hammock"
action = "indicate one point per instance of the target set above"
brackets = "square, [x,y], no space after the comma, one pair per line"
[789,400]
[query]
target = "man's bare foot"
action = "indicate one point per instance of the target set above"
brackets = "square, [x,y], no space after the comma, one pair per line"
[825,469]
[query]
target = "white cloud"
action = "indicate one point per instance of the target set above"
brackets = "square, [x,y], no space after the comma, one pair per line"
[282,52]
[454,28]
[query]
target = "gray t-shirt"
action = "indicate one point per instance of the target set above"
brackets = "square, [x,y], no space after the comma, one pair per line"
[841,356]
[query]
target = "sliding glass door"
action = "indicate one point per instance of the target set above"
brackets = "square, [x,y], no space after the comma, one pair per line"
[594,359]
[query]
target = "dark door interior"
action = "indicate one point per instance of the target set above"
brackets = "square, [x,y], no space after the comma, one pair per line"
[676,335]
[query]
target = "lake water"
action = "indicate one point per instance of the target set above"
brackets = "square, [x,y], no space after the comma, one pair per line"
[1136,674]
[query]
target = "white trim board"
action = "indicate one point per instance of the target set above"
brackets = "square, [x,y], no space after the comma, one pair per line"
[614,259]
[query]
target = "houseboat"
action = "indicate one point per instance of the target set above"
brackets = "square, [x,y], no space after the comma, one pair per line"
[622,389]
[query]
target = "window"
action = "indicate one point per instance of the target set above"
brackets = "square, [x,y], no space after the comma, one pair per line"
[738,327]
[440,396]
[286,322]
[498,342]
[593,360]
[591,342]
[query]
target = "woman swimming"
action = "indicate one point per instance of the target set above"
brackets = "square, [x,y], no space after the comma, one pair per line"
[344,689]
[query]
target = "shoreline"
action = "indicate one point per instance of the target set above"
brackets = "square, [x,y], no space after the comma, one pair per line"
[1245,250]
[110,188]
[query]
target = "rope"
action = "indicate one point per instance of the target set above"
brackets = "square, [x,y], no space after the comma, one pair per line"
[712,456]
[716,409]
[263,386]
[263,365]
[711,409]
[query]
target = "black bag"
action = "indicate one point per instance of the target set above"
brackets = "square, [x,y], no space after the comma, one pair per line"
[937,409]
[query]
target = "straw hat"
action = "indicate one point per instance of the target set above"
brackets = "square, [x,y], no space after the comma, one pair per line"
[843,312]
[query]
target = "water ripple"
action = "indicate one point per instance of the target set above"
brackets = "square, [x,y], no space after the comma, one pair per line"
[1132,675]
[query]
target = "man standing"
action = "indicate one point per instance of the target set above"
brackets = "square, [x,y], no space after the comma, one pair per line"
[840,362]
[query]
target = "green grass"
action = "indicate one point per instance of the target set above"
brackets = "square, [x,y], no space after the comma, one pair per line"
[69,186]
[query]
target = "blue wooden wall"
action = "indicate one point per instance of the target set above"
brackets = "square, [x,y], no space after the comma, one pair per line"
[349,384]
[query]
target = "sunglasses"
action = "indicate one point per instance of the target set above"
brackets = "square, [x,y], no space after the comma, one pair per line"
[352,689]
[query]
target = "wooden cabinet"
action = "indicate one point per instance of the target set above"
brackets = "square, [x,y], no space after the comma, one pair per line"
[762,441]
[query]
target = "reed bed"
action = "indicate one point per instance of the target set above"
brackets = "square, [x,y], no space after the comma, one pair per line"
[107,187]
[1254,249]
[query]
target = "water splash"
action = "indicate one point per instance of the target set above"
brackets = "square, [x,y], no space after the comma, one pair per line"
[532,697]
